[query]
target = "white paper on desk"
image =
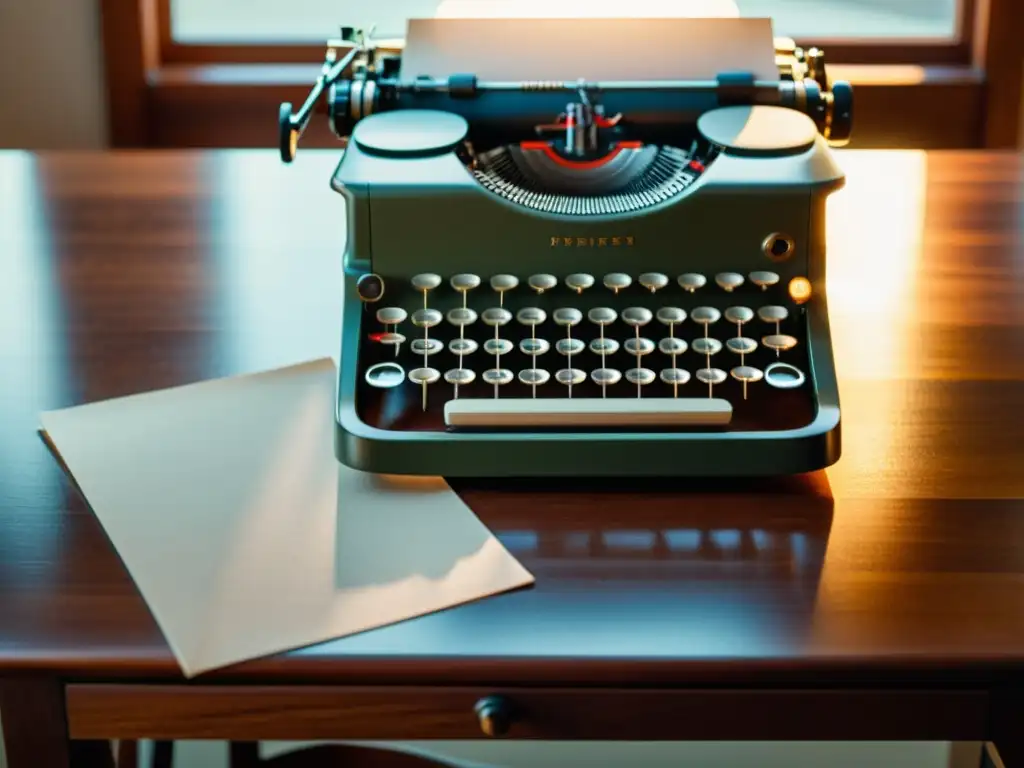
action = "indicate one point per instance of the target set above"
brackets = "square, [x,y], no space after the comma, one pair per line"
[244,534]
[590,48]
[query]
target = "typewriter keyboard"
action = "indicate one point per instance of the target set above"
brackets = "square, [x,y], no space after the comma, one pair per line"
[585,352]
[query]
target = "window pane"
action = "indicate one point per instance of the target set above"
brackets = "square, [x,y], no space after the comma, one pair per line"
[267,21]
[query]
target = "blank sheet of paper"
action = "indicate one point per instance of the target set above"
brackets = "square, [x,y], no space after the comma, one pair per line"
[244,534]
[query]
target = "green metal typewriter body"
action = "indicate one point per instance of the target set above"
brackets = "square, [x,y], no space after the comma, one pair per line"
[586,306]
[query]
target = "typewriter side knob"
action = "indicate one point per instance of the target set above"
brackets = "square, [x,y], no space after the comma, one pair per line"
[840,123]
[410,133]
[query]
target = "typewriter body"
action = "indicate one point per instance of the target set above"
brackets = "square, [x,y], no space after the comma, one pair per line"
[574,277]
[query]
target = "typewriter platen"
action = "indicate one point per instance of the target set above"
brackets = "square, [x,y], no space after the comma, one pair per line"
[573,278]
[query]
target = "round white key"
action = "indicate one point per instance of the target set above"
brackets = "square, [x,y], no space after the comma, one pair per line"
[426,318]
[671,315]
[534,376]
[464,282]
[672,346]
[674,376]
[496,316]
[641,376]
[636,346]
[424,375]
[604,346]
[534,347]
[773,314]
[391,339]
[391,315]
[498,346]
[579,282]
[502,283]
[541,283]
[428,281]
[739,315]
[462,346]
[531,316]
[783,376]
[636,316]
[742,345]
[385,375]
[728,281]
[710,375]
[691,281]
[746,373]
[605,377]
[426,346]
[779,342]
[653,281]
[601,316]
[704,346]
[764,280]
[567,316]
[569,376]
[617,281]
[461,316]
[497,376]
[705,315]
[460,376]
[569,346]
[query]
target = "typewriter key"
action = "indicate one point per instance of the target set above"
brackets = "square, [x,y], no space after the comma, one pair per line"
[426,347]
[534,377]
[711,377]
[691,281]
[601,316]
[705,316]
[675,377]
[764,280]
[534,347]
[391,315]
[370,288]
[391,339]
[461,316]
[462,347]
[567,316]
[541,283]
[569,346]
[496,316]
[385,375]
[604,346]
[579,282]
[747,375]
[636,316]
[639,346]
[617,281]
[780,342]
[497,377]
[706,346]
[502,283]
[672,346]
[605,377]
[671,316]
[498,346]
[772,314]
[426,318]
[426,282]
[728,281]
[458,376]
[531,316]
[653,281]
[569,377]
[641,377]
[783,376]
[463,283]
[423,377]
[739,315]
[742,345]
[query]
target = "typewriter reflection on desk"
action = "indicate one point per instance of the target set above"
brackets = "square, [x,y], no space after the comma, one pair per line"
[582,275]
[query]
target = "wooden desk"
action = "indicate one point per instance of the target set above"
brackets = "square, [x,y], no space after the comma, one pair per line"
[884,600]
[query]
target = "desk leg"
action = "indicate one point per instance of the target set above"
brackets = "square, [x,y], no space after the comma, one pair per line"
[35,728]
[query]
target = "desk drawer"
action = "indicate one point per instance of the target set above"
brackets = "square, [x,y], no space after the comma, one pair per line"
[386,713]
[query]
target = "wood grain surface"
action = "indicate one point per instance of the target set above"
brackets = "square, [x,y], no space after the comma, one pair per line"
[901,565]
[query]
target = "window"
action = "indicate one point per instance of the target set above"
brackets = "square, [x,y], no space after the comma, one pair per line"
[926,73]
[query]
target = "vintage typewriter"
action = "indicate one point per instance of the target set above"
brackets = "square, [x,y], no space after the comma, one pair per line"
[581,276]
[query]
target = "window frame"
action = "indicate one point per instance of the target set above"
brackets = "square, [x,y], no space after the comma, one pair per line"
[920,93]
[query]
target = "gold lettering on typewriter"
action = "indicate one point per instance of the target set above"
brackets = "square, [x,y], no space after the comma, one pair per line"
[614,241]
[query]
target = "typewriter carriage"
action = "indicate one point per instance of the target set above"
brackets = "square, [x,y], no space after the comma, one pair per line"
[473,172]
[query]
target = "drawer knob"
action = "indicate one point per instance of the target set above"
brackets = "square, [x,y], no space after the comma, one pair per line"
[494,716]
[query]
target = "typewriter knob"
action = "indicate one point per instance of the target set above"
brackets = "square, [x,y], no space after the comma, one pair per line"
[370,288]
[287,133]
[841,118]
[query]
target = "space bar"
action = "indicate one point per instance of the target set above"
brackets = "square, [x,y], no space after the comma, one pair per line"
[587,412]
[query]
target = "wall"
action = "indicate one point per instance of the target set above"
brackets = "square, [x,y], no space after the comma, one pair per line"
[51,75]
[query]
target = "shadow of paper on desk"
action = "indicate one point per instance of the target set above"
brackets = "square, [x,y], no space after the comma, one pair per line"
[245,536]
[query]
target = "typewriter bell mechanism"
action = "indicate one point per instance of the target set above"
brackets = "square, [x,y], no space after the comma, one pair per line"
[577,278]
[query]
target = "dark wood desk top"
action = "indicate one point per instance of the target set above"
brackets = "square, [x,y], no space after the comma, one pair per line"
[124,273]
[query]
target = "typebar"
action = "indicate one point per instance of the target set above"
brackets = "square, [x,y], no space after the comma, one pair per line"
[587,412]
